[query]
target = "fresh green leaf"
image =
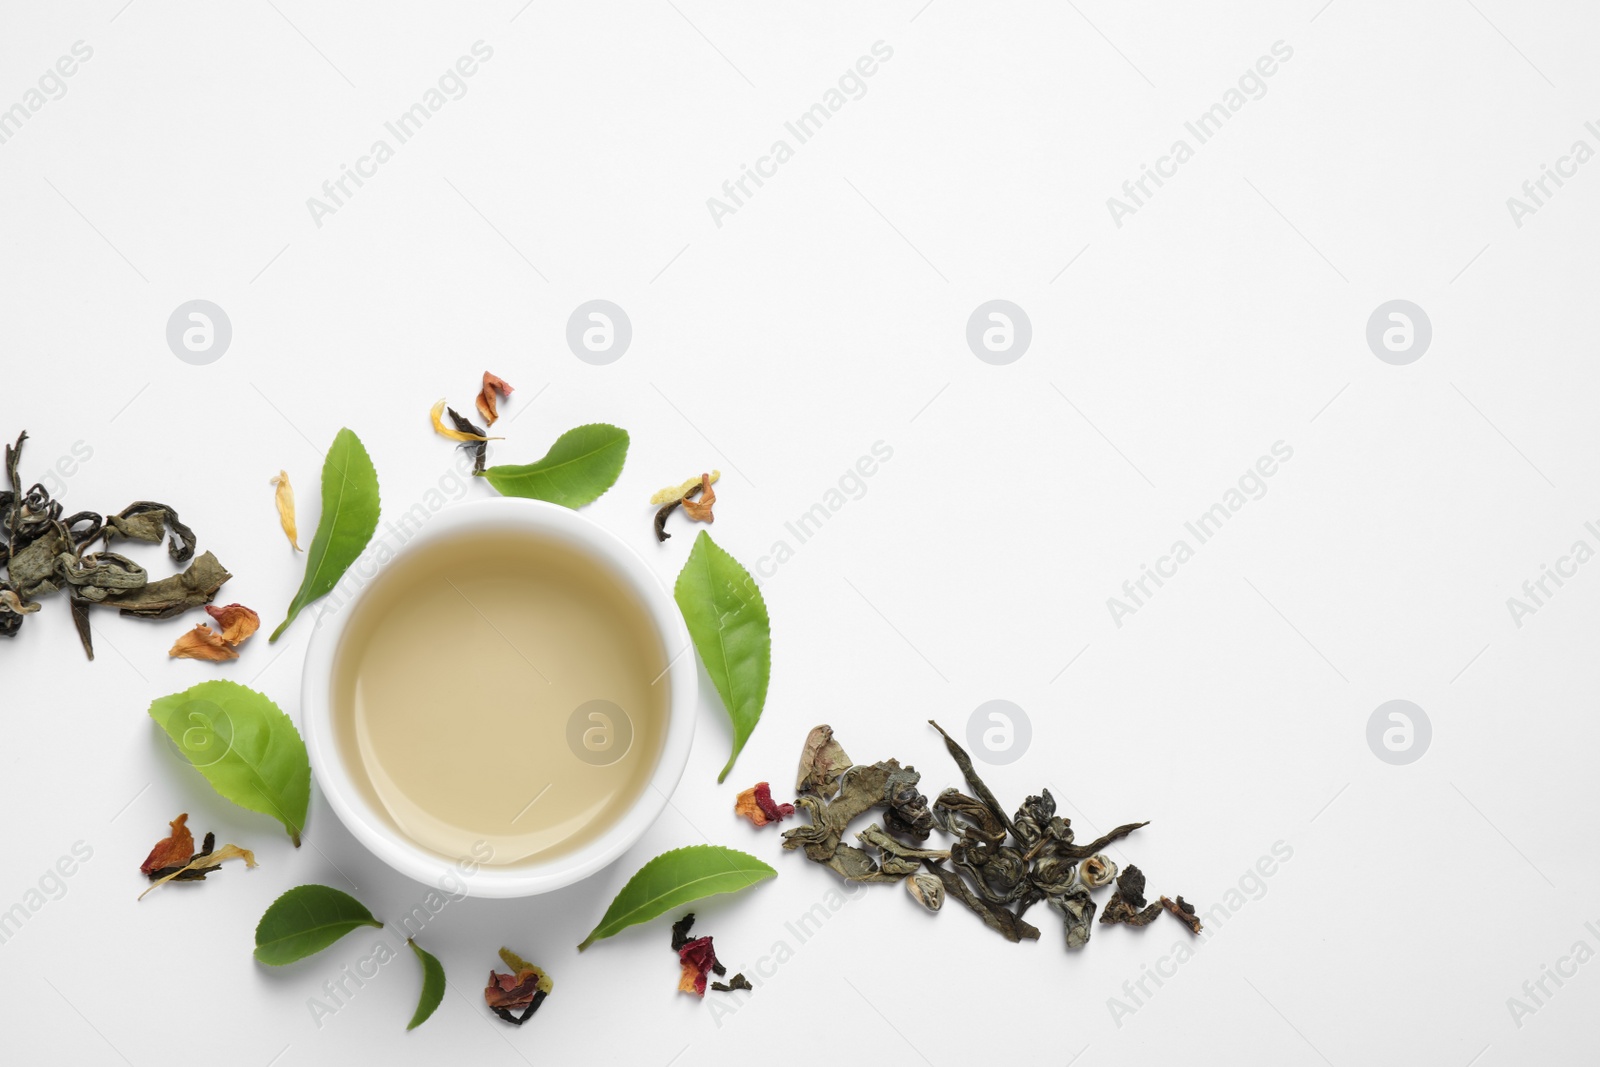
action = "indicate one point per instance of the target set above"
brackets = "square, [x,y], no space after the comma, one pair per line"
[306,920]
[349,517]
[582,464]
[728,622]
[432,986]
[674,879]
[244,745]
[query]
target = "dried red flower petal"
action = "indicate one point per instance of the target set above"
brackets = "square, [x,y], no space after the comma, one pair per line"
[175,851]
[511,990]
[699,959]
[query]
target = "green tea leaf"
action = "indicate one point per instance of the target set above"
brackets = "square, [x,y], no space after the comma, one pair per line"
[432,986]
[306,920]
[244,745]
[349,517]
[582,464]
[674,879]
[728,622]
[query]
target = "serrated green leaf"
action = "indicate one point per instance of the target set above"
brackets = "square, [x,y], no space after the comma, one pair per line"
[728,623]
[674,879]
[350,509]
[582,464]
[244,745]
[432,986]
[306,920]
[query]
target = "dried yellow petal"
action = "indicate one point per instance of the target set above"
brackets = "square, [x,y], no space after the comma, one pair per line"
[676,492]
[285,500]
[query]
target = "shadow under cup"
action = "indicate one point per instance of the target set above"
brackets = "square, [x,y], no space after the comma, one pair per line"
[502,695]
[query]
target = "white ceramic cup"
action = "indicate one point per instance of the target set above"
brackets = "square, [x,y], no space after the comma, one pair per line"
[540,522]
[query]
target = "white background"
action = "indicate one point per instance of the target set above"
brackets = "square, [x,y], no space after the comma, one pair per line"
[827,314]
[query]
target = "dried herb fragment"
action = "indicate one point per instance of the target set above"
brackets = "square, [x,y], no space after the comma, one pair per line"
[757,805]
[1077,914]
[284,498]
[525,987]
[146,520]
[997,918]
[436,415]
[487,401]
[697,958]
[1184,911]
[672,505]
[1127,904]
[738,981]
[204,863]
[926,889]
[175,595]
[1097,871]
[237,621]
[974,783]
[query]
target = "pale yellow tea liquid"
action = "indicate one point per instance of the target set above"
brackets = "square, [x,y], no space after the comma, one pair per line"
[502,689]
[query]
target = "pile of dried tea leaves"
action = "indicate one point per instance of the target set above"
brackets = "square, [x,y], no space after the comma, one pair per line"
[43,552]
[998,865]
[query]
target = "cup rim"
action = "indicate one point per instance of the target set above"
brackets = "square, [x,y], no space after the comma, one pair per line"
[375,831]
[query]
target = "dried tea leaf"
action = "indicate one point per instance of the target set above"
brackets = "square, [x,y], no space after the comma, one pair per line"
[9,601]
[436,413]
[674,879]
[678,492]
[997,918]
[146,520]
[926,889]
[975,783]
[738,981]
[1083,852]
[493,388]
[822,761]
[284,497]
[432,985]
[477,449]
[1077,910]
[582,464]
[680,931]
[305,920]
[728,623]
[757,805]
[204,864]
[244,745]
[237,621]
[173,595]
[1127,904]
[175,850]
[350,507]
[202,642]
[1097,871]
[1184,912]
[700,510]
[80,621]
[661,519]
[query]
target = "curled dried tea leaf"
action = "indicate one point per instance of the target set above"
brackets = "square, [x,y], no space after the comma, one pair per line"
[975,783]
[202,642]
[10,602]
[146,520]
[174,595]
[738,981]
[1097,871]
[926,889]
[1127,903]
[997,918]
[174,850]
[700,510]
[757,805]
[204,864]
[284,497]
[1184,912]
[822,761]
[678,492]
[237,621]
[436,414]
[487,401]
[1077,910]
[478,448]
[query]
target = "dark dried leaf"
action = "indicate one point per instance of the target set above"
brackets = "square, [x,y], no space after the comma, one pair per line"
[1184,911]
[975,783]
[176,594]
[996,918]
[146,520]
[479,449]
[738,981]
[1127,904]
